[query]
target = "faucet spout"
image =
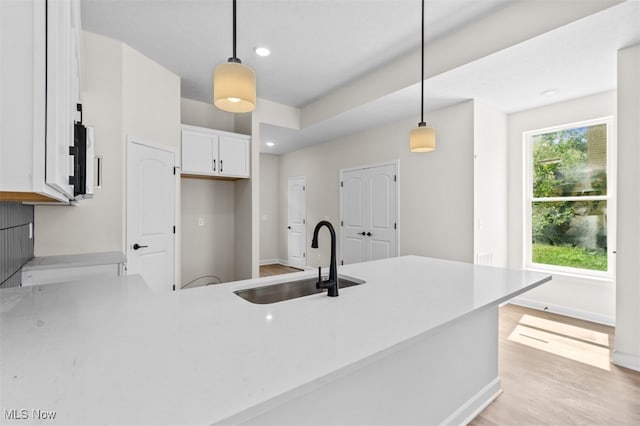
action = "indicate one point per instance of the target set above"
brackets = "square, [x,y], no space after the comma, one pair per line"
[331,284]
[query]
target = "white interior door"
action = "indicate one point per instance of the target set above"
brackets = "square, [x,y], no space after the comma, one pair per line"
[297,219]
[354,216]
[151,215]
[382,212]
[368,212]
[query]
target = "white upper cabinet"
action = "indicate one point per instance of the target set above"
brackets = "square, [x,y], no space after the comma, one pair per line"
[40,87]
[214,153]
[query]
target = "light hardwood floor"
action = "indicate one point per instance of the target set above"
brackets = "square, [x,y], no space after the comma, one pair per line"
[276,269]
[555,370]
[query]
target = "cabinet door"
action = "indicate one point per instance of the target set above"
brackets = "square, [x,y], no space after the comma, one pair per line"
[60,95]
[198,153]
[234,156]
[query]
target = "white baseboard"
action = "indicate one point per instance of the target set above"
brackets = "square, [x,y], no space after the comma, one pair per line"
[626,360]
[269,261]
[474,405]
[565,310]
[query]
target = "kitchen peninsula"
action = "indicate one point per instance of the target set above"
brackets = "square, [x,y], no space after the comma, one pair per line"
[416,343]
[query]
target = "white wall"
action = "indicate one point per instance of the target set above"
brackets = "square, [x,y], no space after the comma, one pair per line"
[208,249]
[582,298]
[490,185]
[151,114]
[201,114]
[269,171]
[248,193]
[436,189]
[97,224]
[150,100]
[125,94]
[627,352]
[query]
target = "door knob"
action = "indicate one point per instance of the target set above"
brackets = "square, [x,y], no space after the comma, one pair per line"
[137,246]
[362,233]
[288,227]
[369,234]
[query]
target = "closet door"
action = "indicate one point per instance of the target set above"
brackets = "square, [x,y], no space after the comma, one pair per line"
[353,192]
[382,211]
[368,204]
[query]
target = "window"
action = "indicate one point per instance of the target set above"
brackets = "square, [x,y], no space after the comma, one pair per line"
[569,201]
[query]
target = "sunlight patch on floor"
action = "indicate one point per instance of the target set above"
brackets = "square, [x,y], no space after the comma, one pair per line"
[568,341]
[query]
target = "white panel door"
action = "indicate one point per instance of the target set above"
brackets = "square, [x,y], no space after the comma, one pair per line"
[297,220]
[382,212]
[354,218]
[151,215]
[368,211]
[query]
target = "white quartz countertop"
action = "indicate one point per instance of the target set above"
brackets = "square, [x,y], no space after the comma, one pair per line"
[75,260]
[110,351]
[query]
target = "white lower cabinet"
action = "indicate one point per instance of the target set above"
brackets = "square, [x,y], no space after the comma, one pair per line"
[214,153]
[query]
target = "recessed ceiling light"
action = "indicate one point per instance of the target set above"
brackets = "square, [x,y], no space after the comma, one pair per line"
[271,143]
[262,51]
[549,92]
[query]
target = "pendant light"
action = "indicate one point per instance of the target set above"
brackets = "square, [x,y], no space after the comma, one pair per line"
[234,84]
[423,137]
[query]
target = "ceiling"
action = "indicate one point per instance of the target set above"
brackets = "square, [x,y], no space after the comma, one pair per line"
[321,46]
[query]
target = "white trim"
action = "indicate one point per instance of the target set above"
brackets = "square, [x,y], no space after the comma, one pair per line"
[626,360]
[604,281]
[610,198]
[270,262]
[565,311]
[474,405]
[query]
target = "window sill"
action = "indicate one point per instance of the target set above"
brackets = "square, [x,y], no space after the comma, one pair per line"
[604,279]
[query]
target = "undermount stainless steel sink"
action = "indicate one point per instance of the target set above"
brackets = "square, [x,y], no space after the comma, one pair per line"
[290,290]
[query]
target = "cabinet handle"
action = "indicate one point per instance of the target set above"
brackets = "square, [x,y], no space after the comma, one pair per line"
[362,233]
[369,234]
[214,165]
[220,166]
[99,172]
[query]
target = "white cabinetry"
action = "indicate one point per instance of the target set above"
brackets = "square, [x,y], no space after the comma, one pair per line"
[214,153]
[39,89]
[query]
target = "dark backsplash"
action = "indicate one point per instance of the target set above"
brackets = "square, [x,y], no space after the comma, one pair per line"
[16,248]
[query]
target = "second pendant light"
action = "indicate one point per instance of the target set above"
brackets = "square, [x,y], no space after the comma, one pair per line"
[423,137]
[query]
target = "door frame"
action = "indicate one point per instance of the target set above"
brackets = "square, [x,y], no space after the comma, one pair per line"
[306,233]
[176,201]
[395,163]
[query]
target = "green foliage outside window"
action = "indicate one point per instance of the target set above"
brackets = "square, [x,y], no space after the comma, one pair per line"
[570,163]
